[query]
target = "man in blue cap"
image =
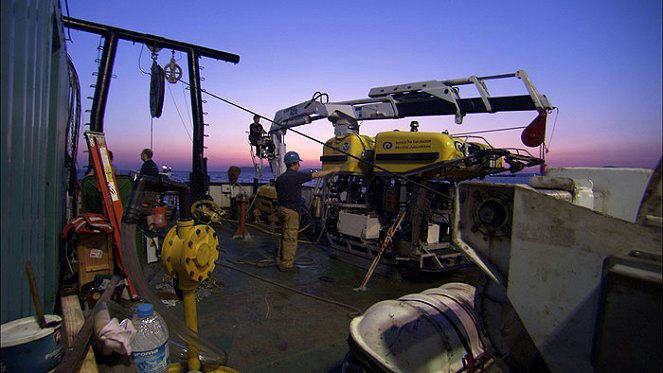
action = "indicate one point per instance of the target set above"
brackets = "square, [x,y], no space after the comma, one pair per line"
[289,195]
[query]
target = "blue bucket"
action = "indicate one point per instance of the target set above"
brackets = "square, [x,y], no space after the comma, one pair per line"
[28,348]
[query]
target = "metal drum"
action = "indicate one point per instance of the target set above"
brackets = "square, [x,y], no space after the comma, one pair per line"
[432,331]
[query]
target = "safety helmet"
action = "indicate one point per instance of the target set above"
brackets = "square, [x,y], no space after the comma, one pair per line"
[291,157]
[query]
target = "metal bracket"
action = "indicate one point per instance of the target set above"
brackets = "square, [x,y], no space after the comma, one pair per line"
[483,91]
[540,101]
[450,94]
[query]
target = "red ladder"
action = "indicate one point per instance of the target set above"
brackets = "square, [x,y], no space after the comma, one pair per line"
[112,204]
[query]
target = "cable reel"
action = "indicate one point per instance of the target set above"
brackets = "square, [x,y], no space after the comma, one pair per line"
[172,70]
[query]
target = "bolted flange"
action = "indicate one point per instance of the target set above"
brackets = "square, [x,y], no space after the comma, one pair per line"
[190,251]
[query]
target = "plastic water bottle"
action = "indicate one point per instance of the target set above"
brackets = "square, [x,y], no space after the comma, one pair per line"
[150,344]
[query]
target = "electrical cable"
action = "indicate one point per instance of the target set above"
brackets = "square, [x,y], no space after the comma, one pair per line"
[264,230]
[552,132]
[130,218]
[356,311]
[467,137]
[487,131]
[176,326]
[329,146]
[140,57]
[72,132]
[303,261]
[66,5]
[178,113]
[188,112]
[151,133]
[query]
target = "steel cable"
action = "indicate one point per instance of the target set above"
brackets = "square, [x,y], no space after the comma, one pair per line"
[329,146]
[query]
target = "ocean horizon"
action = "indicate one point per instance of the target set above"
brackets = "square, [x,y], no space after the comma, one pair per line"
[247,174]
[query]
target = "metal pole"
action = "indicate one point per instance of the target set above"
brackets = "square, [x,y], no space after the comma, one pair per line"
[104,76]
[387,239]
[198,178]
[147,39]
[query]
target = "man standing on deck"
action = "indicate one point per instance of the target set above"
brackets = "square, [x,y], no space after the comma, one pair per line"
[149,167]
[289,195]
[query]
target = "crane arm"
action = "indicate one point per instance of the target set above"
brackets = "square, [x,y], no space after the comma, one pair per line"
[426,98]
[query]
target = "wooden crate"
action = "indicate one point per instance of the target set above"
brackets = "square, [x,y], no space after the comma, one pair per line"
[95,256]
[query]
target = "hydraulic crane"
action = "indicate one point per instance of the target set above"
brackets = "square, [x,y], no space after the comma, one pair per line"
[427,98]
[398,170]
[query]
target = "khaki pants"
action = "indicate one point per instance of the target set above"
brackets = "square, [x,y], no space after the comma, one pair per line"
[289,231]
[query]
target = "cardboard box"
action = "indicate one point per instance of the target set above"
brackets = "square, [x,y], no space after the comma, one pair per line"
[95,256]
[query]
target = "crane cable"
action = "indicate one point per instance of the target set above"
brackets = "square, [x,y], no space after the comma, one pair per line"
[324,144]
[487,131]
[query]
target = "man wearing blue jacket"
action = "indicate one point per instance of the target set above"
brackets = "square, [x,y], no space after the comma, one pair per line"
[289,195]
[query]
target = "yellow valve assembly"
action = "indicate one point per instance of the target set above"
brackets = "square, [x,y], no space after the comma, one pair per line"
[206,211]
[188,254]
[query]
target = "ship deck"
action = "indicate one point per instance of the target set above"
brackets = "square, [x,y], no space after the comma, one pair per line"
[271,321]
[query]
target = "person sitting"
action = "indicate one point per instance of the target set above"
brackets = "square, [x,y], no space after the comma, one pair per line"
[256,131]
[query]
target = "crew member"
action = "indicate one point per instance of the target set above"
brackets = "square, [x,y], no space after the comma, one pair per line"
[149,167]
[289,195]
[255,133]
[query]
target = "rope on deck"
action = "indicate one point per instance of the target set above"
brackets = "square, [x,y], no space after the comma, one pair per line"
[356,311]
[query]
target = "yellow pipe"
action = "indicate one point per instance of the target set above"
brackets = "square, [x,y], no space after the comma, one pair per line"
[190,318]
[176,257]
[189,253]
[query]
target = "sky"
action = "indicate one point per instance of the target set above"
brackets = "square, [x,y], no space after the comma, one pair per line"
[598,62]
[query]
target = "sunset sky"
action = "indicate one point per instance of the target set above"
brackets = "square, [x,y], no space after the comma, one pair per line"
[599,62]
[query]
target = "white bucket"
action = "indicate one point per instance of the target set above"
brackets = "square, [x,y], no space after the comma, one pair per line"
[26,347]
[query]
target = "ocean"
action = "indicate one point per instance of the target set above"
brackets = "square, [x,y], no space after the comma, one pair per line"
[248,173]
[247,176]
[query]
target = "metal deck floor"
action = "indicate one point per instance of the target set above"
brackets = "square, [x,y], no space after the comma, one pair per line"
[264,327]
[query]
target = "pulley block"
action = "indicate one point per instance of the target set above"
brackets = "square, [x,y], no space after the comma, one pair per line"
[172,70]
